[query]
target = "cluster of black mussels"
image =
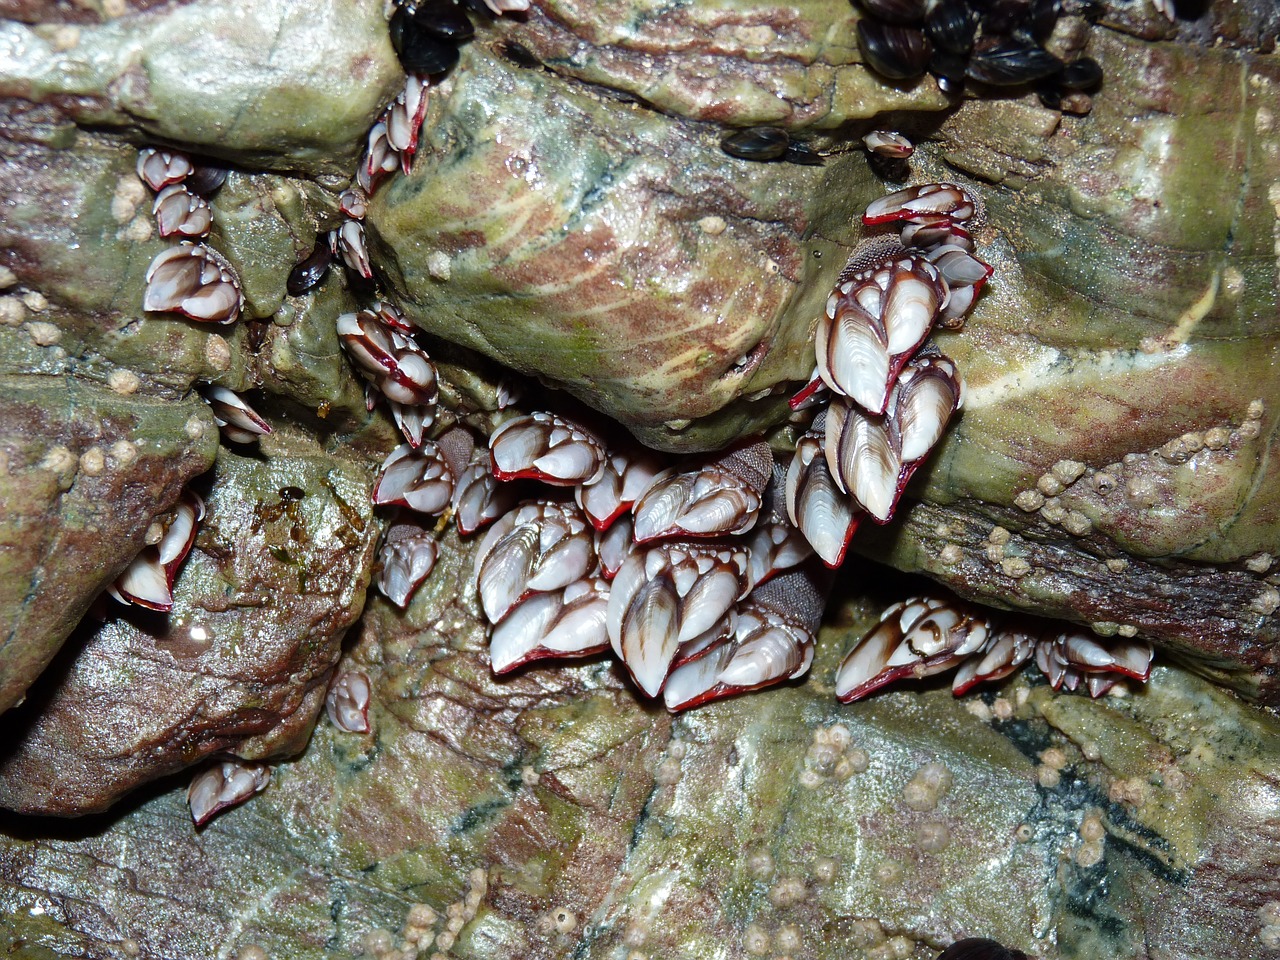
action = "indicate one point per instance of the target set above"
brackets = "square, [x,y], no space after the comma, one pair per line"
[1000,43]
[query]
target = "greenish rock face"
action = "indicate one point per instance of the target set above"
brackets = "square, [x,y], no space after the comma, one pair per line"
[287,86]
[618,254]
[85,470]
[549,814]
[578,222]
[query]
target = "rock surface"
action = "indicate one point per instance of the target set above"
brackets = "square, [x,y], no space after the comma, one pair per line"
[571,215]
[238,668]
[551,814]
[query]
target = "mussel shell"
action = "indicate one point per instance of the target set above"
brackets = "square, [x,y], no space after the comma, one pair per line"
[1050,94]
[1005,16]
[1010,62]
[757,143]
[898,53]
[518,54]
[310,271]
[1044,15]
[1082,74]
[802,154]
[419,51]
[949,68]
[904,12]
[980,948]
[444,19]
[951,27]
[205,179]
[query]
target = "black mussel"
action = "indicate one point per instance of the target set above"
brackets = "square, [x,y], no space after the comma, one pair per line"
[905,12]
[949,70]
[1082,74]
[980,948]
[1050,95]
[898,53]
[802,154]
[1005,16]
[310,271]
[1044,15]
[444,19]
[1009,62]
[205,179]
[951,26]
[419,51]
[518,54]
[1190,9]
[757,143]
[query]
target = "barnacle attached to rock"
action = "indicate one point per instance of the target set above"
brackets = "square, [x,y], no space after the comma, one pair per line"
[195,280]
[239,422]
[224,785]
[148,580]
[546,447]
[347,701]
[924,636]
[180,212]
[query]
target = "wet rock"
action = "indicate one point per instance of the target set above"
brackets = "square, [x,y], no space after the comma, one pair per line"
[239,667]
[1124,433]
[83,472]
[149,73]
[549,814]
[612,286]
[738,64]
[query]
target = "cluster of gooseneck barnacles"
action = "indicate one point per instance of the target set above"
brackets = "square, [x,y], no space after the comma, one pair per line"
[707,578]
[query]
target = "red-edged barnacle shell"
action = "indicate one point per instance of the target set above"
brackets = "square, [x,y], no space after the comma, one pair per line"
[404,120]
[419,479]
[239,421]
[160,168]
[408,556]
[179,211]
[924,201]
[887,143]
[537,547]
[148,580]
[816,504]
[348,243]
[224,785]
[863,458]
[623,480]
[569,622]
[195,280]
[873,322]
[391,361]
[354,202]
[915,638]
[667,595]
[546,447]
[347,701]
[773,640]
[722,497]
[1009,648]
